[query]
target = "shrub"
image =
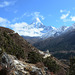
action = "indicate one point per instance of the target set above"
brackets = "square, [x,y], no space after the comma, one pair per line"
[34,57]
[51,64]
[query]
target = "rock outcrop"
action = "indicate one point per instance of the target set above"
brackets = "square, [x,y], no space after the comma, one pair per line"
[10,65]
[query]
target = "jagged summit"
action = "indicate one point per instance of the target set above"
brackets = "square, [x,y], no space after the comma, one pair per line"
[35,29]
[38,29]
[37,22]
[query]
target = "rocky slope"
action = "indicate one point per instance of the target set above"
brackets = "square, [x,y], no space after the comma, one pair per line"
[14,44]
[17,56]
[10,65]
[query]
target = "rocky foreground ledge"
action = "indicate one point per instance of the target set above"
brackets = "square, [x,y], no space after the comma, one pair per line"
[10,65]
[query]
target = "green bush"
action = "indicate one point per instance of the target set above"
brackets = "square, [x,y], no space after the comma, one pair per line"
[9,45]
[34,57]
[48,62]
[51,64]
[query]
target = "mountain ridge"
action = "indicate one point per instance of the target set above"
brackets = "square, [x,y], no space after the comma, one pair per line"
[29,59]
[38,29]
[63,45]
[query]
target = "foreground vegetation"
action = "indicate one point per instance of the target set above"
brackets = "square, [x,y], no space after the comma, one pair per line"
[48,62]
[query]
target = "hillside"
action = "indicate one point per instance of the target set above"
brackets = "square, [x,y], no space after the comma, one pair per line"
[32,40]
[17,57]
[14,44]
[62,46]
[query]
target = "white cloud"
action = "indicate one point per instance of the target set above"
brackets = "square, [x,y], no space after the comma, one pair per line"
[6,3]
[4,22]
[26,14]
[34,15]
[17,26]
[25,29]
[72,18]
[42,17]
[62,11]
[37,15]
[64,16]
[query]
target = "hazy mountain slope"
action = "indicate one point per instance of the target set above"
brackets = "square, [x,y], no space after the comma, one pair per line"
[32,40]
[62,44]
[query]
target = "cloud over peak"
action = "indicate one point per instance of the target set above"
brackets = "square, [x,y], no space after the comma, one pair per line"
[37,14]
[24,29]
[34,15]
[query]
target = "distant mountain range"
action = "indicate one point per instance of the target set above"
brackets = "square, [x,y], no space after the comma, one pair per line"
[59,41]
[62,46]
[37,28]
[37,31]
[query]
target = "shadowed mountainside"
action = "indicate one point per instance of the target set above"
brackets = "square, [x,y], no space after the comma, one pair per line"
[61,45]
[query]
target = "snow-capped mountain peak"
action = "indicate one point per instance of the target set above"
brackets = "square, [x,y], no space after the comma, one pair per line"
[38,29]
[37,20]
[37,23]
[35,29]
[54,28]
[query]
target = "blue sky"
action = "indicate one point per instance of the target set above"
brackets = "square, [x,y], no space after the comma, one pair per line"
[51,12]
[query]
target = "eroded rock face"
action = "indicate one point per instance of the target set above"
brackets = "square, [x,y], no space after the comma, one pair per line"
[10,65]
